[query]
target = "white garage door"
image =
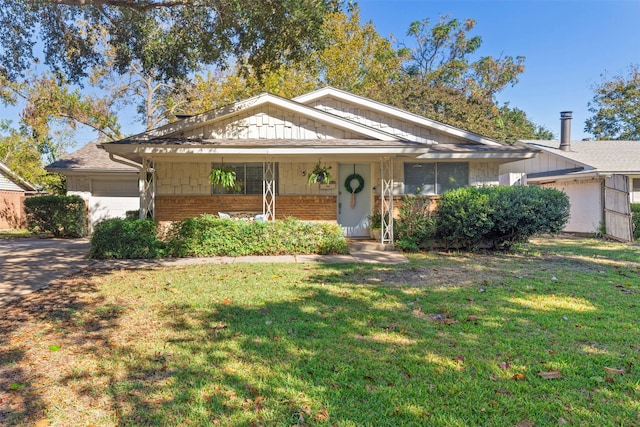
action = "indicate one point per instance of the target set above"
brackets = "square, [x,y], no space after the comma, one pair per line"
[112,199]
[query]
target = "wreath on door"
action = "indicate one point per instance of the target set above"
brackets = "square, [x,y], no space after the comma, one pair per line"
[347,183]
[351,190]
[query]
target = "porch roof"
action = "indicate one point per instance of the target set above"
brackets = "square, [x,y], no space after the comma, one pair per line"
[135,149]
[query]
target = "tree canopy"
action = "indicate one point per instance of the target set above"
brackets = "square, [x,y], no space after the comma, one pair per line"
[616,107]
[170,37]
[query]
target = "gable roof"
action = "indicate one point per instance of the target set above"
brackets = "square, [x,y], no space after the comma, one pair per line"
[267,124]
[256,102]
[89,158]
[603,157]
[366,103]
[9,180]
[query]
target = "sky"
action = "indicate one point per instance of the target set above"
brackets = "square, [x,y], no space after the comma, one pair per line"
[568,45]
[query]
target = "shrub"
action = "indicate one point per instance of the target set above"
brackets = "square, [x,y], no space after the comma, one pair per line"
[635,218]
[463,217]
[499,216]
[62,216]
[208,235]
[125,238]
[415,227]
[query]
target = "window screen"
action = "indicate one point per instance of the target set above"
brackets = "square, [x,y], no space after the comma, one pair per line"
[434,178]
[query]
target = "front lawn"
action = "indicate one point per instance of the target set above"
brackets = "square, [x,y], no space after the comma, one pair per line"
[546,336]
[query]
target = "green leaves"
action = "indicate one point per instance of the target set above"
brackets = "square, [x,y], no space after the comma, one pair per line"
[616,107]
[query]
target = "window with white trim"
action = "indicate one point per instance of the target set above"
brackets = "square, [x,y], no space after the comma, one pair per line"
[435,178]
[635,190]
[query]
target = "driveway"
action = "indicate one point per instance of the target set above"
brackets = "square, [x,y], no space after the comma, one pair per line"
[29,264]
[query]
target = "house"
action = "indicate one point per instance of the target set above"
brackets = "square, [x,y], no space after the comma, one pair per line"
[110,188]
[601,179]
[273,144]
[13,191]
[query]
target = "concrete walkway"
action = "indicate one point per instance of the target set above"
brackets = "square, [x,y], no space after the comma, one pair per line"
[30,264]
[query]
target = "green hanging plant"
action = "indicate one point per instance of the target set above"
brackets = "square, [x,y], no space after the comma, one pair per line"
[223,176]
[320,174]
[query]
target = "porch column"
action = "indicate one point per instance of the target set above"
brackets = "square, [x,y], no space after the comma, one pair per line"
[386,199]
[147,186]
[269,190]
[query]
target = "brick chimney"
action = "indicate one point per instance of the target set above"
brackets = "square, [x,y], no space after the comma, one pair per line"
[565,130]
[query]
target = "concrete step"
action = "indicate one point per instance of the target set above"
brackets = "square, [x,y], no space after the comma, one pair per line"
[368,245]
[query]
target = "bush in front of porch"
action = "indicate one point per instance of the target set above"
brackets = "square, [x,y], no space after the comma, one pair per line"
[209,235]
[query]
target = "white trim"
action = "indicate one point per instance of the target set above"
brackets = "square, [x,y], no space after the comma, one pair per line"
[395,112]
[258,101]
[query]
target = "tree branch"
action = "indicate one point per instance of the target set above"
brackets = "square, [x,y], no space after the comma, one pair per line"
[142,6]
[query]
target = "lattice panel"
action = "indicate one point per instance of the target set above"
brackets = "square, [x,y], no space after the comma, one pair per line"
[386,199]
[269,190]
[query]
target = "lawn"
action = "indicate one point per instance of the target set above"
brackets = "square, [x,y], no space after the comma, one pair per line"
[548,335]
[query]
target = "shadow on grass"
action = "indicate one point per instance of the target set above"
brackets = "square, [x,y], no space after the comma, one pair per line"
[348,344]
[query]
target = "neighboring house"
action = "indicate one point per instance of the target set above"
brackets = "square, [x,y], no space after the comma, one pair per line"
[109,188]
[274,144]
[13,191]
[601,179]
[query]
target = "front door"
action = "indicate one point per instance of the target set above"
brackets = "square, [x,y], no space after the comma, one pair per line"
[354,208]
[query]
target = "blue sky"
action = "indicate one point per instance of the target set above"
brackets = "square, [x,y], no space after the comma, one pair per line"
[568,44]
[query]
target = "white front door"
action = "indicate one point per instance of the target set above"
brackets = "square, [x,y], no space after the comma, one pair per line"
[354,209]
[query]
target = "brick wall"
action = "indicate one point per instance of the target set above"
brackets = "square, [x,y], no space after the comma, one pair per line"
[310,208]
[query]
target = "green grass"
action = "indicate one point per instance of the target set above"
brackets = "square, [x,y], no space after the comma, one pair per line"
[18,232]
[449,340]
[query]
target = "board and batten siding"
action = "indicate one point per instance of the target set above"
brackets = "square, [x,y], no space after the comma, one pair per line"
[393,125]
[269,123]
[544,162]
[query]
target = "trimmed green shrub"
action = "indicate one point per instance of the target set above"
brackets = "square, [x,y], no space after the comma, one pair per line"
[635,218]
[125,238]
[415,227]
[62,216]
[463,217]
[208,235]
[498,217]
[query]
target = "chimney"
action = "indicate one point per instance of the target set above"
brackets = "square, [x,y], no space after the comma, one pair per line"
[565,130]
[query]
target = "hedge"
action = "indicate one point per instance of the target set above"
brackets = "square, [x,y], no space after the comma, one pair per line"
[498,217]
[212,236]
[62,216]
[635,218]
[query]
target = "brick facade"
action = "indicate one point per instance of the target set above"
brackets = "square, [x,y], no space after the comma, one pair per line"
[309,208]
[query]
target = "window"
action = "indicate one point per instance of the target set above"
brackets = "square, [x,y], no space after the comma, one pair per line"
[248,178]
[434,178]
[635,190]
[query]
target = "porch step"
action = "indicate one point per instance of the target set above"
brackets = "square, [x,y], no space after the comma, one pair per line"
[368,245]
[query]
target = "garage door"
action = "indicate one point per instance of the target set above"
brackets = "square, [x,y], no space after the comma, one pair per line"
[115,188]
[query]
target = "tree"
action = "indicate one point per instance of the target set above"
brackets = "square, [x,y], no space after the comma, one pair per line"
[170,37]
[441,57]
[441,82]
[356,57]
[616,107]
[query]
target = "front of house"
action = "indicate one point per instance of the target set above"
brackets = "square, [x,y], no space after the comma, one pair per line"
[375,153]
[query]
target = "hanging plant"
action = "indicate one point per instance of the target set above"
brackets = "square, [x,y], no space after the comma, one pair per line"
[320,174]
[223,176]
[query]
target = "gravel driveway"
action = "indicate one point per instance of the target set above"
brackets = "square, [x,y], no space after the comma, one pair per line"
[29,264]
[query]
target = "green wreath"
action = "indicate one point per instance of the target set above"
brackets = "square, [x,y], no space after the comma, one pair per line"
[347,183]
